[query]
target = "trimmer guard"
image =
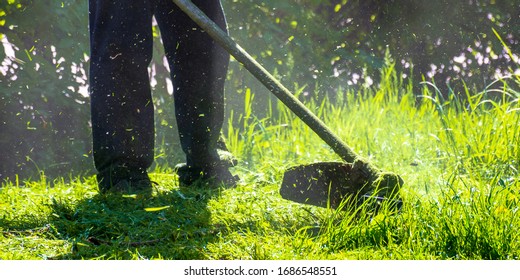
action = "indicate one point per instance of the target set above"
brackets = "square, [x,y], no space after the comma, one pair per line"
[328,184]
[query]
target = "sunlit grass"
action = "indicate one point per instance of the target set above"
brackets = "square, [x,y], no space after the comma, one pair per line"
[459,158]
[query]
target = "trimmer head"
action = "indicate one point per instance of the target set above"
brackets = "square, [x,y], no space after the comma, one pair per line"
[327,184]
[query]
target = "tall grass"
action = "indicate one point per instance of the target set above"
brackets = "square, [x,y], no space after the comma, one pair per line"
[458,155]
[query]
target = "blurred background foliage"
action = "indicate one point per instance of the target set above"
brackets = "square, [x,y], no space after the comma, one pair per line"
[325,46]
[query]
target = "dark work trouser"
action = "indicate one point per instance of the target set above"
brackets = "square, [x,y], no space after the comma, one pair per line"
[121,102]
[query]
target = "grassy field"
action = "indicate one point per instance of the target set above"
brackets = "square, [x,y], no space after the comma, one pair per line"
[459,158]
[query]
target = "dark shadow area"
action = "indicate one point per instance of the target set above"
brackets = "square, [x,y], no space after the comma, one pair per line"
[172,224]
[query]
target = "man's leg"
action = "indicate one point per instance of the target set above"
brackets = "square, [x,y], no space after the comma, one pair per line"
[121,105]
[199,69]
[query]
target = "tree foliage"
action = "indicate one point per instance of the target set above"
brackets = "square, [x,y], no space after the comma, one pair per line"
[43,108]
[338,42]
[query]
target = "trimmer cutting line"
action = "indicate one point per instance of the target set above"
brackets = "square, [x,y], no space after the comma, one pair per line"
[324,184]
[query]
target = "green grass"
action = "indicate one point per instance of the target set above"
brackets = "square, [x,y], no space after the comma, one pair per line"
[458,156]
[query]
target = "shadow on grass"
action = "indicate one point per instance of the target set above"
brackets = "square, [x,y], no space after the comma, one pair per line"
[75,222]
[172,224]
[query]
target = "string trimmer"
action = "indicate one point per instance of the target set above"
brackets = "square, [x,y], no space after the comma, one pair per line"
[324,184]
